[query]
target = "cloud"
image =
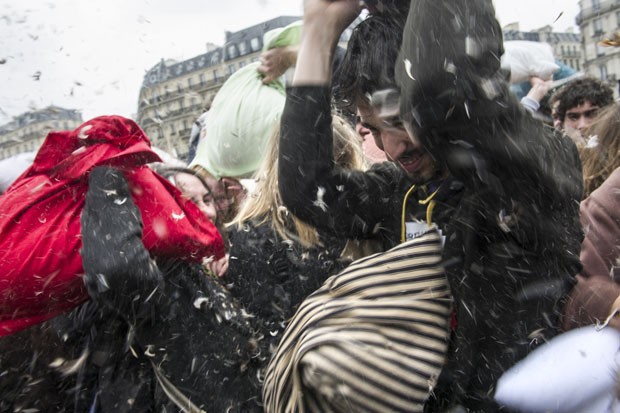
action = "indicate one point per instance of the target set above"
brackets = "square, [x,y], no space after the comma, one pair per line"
[107,47]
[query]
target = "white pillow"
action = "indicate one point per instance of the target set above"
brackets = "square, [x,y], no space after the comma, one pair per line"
[525,59]
[574,372]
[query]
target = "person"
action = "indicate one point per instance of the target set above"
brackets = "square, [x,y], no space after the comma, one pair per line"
[395,204]
[552,377]
[219,200]
[392,201]
[276,260]
[594,298]
[535,95]
[510,254]
[182,330]
[369,146]
[600,158]
[48,197]
[197,133]
[61,348]
[577,103]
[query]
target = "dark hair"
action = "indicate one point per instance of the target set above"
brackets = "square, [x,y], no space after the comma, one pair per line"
[578,91]
[368,65]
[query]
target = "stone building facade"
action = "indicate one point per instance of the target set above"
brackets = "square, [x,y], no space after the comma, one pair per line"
[599,20]
[566,45]
[174,94]
[26,132]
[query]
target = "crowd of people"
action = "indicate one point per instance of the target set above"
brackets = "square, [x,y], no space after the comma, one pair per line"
[383,228]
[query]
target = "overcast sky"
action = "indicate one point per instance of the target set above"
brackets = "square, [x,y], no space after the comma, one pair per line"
[92,55]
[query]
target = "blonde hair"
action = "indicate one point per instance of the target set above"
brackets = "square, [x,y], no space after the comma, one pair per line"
[599,160]
[264,204]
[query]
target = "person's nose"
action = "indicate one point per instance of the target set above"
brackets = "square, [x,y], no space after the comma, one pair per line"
[582,123]
[394,145]
[208,208]
[362,130]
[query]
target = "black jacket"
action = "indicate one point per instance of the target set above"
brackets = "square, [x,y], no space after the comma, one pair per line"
[351,204]
[151,329]
[514,247]
[270,276]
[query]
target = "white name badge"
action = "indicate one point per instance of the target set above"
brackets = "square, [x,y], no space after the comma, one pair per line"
[416,229]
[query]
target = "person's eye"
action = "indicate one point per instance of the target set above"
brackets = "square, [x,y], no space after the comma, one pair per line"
[397,124]
[591,113]
[573,116]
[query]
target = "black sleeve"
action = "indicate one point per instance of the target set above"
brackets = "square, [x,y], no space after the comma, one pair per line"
[119,272]
[350,203]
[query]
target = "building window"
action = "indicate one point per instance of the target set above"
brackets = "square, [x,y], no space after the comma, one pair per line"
[599,50]
[231,69]
[189,82]
[596,4]
[232,51]
[603,71]
[618,19]
[597,27]
[242,48]
[179,88]
[255,44]
[202,79]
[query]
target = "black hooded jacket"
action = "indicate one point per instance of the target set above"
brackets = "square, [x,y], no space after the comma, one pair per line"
[513,249]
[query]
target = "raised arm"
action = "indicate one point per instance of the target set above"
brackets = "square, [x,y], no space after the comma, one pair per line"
[349,203]
[324,22]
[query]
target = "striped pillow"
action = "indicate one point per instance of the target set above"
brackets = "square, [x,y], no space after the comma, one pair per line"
[372,339]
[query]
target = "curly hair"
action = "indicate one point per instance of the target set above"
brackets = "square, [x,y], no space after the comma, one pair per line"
[577,92]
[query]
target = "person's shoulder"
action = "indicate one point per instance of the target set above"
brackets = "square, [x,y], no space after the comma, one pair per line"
[389,175]
[613,181]
[608,194]
[249,231]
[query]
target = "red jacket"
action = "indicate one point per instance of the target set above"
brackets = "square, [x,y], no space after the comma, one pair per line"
[40,234]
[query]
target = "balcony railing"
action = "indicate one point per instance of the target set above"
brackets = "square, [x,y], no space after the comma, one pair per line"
[589,12]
